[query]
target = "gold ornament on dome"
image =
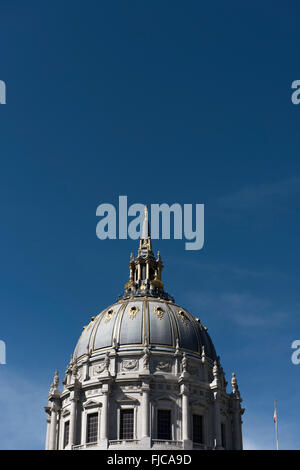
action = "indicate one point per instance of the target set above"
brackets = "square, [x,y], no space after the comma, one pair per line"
[159,312]
[133,312]
[182,316]
[108,315]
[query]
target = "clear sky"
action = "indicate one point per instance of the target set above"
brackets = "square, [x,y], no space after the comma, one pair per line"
[162,101]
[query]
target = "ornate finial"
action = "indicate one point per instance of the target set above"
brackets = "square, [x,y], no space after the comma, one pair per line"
[145,229]
[56,379]
[74,370]
[144,270]
[234,385]
[55,383]
[215,370]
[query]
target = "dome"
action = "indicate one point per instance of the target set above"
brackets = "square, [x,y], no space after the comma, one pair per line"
[132,323]
[145,314]
[144,375]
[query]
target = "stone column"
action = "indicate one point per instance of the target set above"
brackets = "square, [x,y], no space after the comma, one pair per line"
[48,433]
[103,443]
[185,415]
[104,415]
[185,412]
[73,419]
[145,418]
[237,443]
[145,409]
[53,428]
[217,421]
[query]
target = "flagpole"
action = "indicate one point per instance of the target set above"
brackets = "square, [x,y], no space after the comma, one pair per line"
[276,425]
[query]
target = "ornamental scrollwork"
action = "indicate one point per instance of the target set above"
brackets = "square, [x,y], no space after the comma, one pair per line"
[159,312]
[163,366]
[99,368]
[108,315]
[182,315]
[133,311]
[130,364]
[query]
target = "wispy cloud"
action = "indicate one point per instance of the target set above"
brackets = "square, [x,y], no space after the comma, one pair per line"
[260,196]
[243,309]
[235,271]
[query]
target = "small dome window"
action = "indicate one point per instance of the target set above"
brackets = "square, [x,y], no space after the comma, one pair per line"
[108,315]
[159,312]
[182,316]
[133,311]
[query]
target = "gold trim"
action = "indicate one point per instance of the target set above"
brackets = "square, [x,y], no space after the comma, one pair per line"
[117,325]
[144,320]
[148,321]
[172,321]
[93,334]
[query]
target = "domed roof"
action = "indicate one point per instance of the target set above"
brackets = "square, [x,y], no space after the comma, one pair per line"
[145,314]
[161,324]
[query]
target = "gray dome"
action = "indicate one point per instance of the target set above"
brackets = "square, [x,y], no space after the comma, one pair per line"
[132,323]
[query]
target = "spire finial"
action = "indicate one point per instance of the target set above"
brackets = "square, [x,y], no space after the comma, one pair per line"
[145,270]
[145,229]
[55,383]
[234,385]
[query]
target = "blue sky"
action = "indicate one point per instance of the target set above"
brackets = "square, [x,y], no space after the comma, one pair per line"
[163,102]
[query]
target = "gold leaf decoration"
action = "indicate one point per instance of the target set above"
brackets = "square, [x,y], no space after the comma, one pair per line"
[108,315]
[159,312]
[182,316]
[133,311]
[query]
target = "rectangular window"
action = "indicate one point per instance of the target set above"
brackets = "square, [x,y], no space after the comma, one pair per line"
[126,424]
[223,435]
[198,429]
[164,425]
[66,433]
[92,427]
